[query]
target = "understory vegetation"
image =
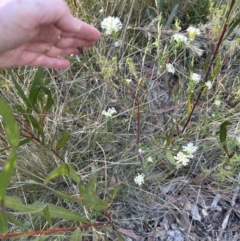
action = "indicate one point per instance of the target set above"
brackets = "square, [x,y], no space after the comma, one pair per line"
[138,140]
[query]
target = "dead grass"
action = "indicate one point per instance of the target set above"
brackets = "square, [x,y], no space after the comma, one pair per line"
[96,82]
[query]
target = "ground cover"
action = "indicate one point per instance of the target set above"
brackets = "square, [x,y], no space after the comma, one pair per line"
[123,138]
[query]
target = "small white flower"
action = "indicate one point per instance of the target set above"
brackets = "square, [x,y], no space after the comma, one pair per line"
[179,38]
[110,112]
[139,179]
[150,159]
[101,10]
[111,25]
[118,43]
[170,68]
[190,149]
[208,85]
[140,151]
[128,81]
[217,102]
[195,78]
[192,32]
[182,158]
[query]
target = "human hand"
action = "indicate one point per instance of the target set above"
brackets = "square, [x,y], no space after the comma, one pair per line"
[37,32]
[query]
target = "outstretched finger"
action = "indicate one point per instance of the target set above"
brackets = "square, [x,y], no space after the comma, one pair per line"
[71,26]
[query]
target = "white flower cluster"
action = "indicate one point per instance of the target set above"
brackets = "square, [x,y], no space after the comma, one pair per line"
[208,84]
[139,179]
[111,25]
[192,32]
[183,157]
[109,113]
[170,68]
[195,78]
[217,102]
[150,159]
[179,38]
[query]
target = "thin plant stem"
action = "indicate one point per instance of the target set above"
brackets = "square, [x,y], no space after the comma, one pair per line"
[213,57]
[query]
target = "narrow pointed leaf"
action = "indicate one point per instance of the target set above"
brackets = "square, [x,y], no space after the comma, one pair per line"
[34,123]
[18,206]
[24,141]
[6,174]
[223,135]
[232,27]
[37,208]
[21,143]
[172,15]
[62,142]
[101,205]
[36,84]
[11,127]
[21,93]
[3,223]
[223,131]
[170,158]
[77,235]
[63,170]
[115,191]
[47,215]
[65,196]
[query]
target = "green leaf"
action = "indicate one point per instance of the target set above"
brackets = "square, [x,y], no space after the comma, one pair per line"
[115,191]
[65,196]
[223,131]
[170,157]
[62,142]
[36,84]
[63,170]
[24,141]
[20,91]
[159,4]
[77,235]
[223,135]
[232,27]
[21,143]
[37,208]
[100,205]
[3,223]
[34,123]
[17,205]
[11,127]
[91,184]
[89,197]
[47,215]
[6,174]
[59,212]
[172,16]
[149,14]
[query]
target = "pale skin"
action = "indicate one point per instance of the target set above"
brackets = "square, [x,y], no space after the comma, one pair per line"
[41,33]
